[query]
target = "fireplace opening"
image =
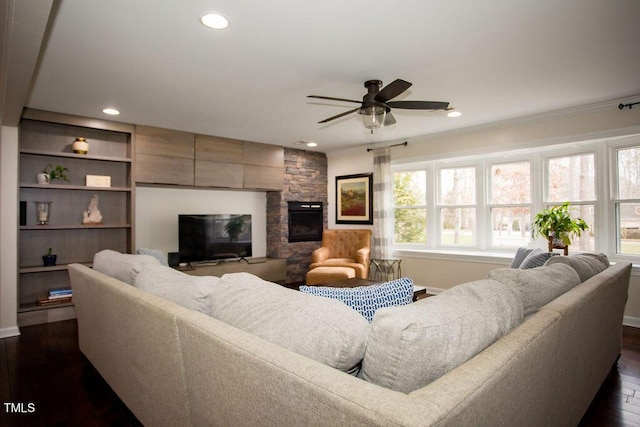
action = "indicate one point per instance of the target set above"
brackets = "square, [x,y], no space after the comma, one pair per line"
[305,221]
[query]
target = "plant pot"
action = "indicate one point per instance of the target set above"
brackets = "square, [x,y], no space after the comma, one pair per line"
[49,260]
[42,178]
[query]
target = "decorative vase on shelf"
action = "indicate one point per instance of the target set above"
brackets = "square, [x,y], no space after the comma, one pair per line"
[80,145]
[43,210]
[49,259]
[42,178]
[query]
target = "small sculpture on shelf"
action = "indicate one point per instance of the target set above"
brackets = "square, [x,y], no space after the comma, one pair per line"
[92,215]
[49,259]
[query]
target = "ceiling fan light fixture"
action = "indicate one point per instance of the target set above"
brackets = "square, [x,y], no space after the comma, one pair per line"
[373,117]
[215,21]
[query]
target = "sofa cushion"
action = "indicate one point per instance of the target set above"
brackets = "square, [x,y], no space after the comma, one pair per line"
[367,299]
[124,267]
[536,258]
[538,286]
[322,329]
[192,292]
[411,345]
[586,264]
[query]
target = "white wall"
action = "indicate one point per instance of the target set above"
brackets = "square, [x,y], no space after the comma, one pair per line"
[157,211]
[9,232]
[442,271]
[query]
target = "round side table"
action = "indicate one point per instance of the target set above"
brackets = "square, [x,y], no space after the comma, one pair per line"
[386,269]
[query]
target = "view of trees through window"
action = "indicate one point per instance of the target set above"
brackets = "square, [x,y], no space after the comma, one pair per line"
[573,179]
[510,202]
[410,214]
[443,207]
[628,205]
[457,200]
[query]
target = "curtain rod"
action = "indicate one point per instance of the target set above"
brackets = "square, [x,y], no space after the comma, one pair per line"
[621,106]
[404,144]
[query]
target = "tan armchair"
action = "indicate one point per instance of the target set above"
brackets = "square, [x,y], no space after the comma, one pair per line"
[344,248]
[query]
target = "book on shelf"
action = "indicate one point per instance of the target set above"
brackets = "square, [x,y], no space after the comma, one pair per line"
[54,297]
[53,301]
[60,291]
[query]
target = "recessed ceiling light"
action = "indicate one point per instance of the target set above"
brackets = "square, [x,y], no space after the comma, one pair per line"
[311,144]
[215,21]
[454,114]
[111,111]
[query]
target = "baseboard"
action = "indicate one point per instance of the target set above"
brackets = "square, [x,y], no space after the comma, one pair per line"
[634,322]
[9,332]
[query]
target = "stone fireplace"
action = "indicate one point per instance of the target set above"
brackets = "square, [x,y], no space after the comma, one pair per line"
[305,178]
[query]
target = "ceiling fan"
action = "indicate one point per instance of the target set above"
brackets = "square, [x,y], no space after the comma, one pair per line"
[376,105]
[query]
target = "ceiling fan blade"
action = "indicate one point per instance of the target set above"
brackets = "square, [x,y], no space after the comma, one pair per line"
[419,105]
[339,115]
[392,90]
[389,119]
[330,98]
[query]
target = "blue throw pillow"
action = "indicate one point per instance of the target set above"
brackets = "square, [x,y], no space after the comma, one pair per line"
[367,299]
[536,259]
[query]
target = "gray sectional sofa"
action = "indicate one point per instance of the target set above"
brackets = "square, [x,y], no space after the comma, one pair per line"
[521,347]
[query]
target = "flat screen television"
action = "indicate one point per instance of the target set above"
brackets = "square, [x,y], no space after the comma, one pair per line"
[211,237]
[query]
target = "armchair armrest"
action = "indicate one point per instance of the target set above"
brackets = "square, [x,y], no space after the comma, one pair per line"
[362,256]
[319,254]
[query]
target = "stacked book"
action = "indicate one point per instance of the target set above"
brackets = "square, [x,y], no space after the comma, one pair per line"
[57,296]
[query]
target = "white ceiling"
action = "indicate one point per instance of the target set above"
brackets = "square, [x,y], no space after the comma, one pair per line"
[492,60]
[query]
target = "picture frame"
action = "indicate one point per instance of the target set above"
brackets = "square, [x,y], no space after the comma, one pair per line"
[354,199]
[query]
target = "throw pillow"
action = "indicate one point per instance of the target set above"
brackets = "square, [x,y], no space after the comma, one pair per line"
[520,255]
[322,329]
[538,286]
[411,345]
[587,264]
[536,258]
[124,267]
[192,292]
[367,299]
[154,253]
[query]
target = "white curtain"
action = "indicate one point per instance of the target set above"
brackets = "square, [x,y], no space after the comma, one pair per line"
[382,203]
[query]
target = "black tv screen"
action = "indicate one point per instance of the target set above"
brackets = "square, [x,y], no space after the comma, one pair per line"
[212,237]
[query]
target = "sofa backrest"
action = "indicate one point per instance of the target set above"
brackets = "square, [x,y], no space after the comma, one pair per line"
[131,338]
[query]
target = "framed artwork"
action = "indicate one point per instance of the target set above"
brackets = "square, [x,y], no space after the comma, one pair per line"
[354,195]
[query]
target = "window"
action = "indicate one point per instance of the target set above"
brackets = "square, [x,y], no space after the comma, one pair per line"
[457,206]
[487,202]
[627,204]
[510,204]
[573,179]
[410,213]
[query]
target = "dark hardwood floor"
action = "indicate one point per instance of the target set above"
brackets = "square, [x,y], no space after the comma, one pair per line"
[46,381]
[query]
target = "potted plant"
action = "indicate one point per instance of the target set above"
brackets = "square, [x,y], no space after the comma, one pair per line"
[51,172]
[49,259]
[557,226]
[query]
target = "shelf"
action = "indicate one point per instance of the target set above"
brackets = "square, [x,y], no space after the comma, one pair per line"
[75,187]
[35,307]
[43,269]
[73,227]
[76,156]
